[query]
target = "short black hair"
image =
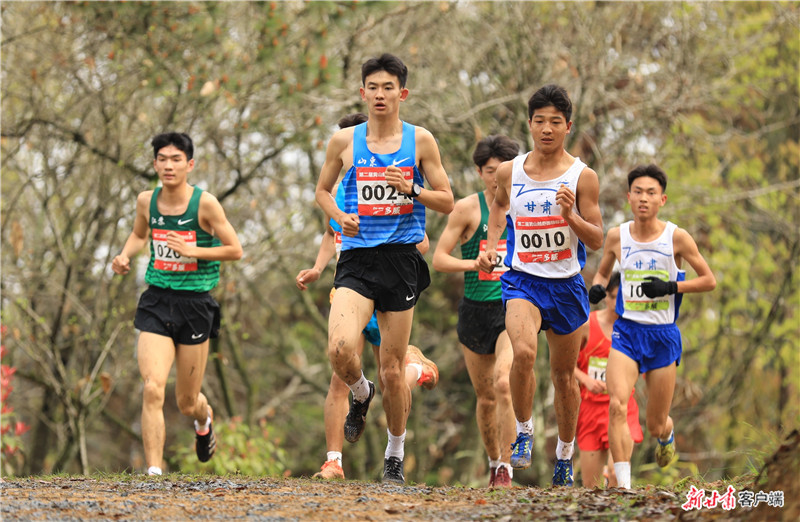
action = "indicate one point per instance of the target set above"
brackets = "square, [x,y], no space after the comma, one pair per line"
[180,140]
[351,120]
[495,146]
[613,282]
[551,95]
[650,171]
[385,62]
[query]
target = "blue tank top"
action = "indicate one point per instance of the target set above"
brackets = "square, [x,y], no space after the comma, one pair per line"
[385,215]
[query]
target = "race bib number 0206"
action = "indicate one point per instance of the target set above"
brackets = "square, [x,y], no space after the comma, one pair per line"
[499,267]
[168,259]
[542,239]
[378,198]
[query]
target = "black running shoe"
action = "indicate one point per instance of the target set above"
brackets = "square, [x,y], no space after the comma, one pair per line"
[205,445]
[357,417]
[393,471]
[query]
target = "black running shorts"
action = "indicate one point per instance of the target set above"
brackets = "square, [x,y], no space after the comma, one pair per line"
[392,276]
[185,317]
[480,323]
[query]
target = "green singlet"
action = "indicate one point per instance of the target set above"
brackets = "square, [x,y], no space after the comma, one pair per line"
[167,268]
[474,288]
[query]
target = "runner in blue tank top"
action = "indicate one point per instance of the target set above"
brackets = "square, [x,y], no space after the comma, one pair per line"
[380,267]
[645,338]
[551,198]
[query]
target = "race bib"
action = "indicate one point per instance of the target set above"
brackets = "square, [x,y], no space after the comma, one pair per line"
[633,295]
[168,259]
[597,369]
[542,239]
[337,243]
[499,267]
[378,198]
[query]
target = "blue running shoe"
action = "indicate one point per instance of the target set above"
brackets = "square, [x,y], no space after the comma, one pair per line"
[521,451]
[562,475]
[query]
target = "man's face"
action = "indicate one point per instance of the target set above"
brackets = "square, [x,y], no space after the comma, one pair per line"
[488,174]
[382,93]
[549,128]
[646,197]
[172,166]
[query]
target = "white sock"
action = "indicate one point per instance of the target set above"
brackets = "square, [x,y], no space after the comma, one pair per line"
[396,445]
[335,455]
[417,367]
[494,463]
[525,427]
[360,389]
[623,472]
[508,468]
[666,441]
[564,450]
[204,427]
[154,470]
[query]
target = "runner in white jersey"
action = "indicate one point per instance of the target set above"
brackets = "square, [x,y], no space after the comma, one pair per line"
[380,267]
[552,211]
[646,339]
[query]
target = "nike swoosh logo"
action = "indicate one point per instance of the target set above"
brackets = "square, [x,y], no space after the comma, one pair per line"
[398,162]
[198,336]
[409,297]
[184,221]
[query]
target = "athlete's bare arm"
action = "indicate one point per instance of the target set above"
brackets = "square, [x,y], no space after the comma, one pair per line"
[458,222]
[686,248]
[340,142]
[137,240]
[610,254]
[497,217]
[588,224]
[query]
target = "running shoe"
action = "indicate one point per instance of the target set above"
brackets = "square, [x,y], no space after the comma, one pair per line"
[492,476]
[521,451]
[562,474]
[329,471]
[430,372]
[205,444]
[665,451]
[502,477]
[393,471]
[357,417]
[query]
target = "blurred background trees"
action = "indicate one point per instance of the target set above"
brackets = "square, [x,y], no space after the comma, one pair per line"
[709,91]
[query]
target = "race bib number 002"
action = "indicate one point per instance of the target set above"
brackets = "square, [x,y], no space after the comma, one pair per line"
[378,198]
[542,239]
[633,296]
[499,267]
[168,259]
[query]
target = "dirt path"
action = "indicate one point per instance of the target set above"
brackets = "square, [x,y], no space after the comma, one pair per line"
[191,497]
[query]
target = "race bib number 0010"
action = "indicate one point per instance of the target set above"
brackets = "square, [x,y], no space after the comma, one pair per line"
[168,259]
[633,296]
[499,267]
[378,198]
[542,239]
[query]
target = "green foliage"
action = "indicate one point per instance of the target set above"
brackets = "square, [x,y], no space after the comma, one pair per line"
[241,449]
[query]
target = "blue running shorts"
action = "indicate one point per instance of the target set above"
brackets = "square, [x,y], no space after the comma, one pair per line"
[371,332]
[563,303]
[653,346]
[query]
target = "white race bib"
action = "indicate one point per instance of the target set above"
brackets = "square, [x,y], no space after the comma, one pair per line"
[633,295]
[168,259]
[377,198]
[542,239]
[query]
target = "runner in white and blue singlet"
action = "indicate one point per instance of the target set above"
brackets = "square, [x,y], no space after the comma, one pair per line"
[645,339]
[548,200]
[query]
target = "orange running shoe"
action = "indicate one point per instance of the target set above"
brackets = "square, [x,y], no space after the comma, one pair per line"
[430,372]
[330,470]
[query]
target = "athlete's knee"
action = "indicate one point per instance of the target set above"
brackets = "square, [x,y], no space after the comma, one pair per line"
[563,379]
[339,349]
[153,393]
[525,355]
[487,400]
[617,409]
[187,404]
[392,374]
[502,387]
